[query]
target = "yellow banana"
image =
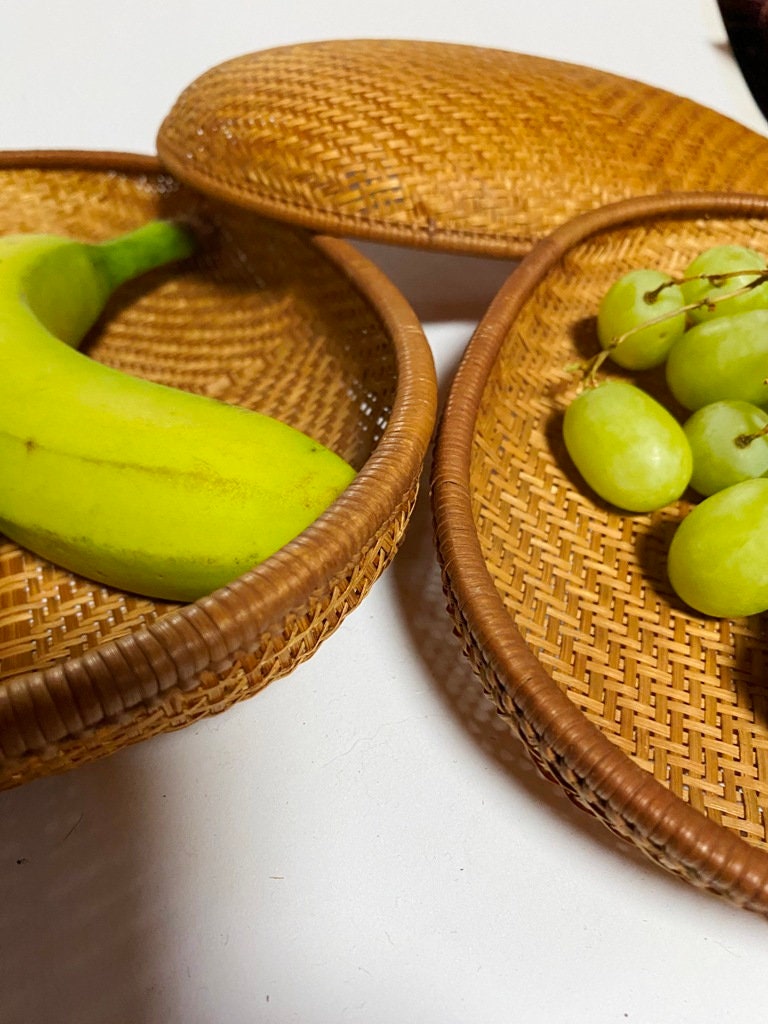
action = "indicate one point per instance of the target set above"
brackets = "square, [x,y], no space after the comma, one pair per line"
[127,482]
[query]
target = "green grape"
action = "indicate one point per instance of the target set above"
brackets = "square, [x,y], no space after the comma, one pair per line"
[718,558]
[726,444]
[725,259]
[631,302]
[627,446]
[723,358]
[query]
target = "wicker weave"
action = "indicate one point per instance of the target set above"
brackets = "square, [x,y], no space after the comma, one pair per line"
[651,717]
[269,317]
[439,145]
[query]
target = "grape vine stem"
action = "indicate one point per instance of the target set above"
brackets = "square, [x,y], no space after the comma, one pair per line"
[592,367]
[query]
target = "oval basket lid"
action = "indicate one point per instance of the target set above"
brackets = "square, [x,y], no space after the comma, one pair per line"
[439,145]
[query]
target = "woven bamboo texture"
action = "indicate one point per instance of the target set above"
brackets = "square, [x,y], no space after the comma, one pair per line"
[443,146]
[269,317]
[651,717]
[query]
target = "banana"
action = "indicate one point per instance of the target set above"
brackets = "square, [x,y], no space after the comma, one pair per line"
[130,483]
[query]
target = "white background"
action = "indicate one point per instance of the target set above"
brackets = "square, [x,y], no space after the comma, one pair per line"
[361,841]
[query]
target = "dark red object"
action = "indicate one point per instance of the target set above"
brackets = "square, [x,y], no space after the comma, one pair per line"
[746,22]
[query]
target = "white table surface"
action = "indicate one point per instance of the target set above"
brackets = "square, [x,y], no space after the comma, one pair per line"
[359,842]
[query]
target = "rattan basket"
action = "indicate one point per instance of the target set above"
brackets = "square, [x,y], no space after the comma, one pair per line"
[267,316]
[440,145]
[651,717]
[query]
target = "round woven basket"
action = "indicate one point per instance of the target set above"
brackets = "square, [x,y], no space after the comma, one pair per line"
[268,316]
[651,717]
[441,145]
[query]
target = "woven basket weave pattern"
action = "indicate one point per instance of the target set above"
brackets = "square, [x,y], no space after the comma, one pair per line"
[584,588]
[266,317]
[277,653]
[442,145]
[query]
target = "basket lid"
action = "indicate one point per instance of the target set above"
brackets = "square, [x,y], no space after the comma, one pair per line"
[440,145]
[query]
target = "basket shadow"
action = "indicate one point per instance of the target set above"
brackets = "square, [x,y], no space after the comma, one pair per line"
[440,286]
[76,900]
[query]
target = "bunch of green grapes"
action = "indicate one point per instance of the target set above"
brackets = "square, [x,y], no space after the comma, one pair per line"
[709,331]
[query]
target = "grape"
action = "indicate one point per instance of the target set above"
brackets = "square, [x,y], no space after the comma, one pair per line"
[723,358]
[721,456]
[629,303]
[725,259]
[718,558]
[627,446]
[635,455]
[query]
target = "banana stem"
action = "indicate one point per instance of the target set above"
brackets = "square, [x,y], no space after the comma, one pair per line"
[152,245]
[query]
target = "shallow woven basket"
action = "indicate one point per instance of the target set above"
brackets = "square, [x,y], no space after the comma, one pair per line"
[651,717]
[441,145]
[267,316]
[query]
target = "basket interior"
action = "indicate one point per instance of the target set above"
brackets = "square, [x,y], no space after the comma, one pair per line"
[261,318]
[682,695]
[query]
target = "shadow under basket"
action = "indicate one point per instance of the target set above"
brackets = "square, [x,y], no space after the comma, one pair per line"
[647,715]
[299,326]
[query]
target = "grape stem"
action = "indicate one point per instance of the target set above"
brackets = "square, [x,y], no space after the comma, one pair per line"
[591,368]
[716,280]
[745,440]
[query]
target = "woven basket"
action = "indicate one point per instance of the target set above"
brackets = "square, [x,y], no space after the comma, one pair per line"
[651,717]
[269,317]
[442,146]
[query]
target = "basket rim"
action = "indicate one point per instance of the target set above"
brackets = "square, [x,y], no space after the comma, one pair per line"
[206,632]
[704,851]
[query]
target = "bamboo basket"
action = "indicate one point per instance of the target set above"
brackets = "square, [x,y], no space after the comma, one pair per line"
[443,146]
[432,145]
[651,717]
[268,316]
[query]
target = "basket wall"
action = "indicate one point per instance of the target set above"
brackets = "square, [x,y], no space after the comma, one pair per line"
[266,316]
